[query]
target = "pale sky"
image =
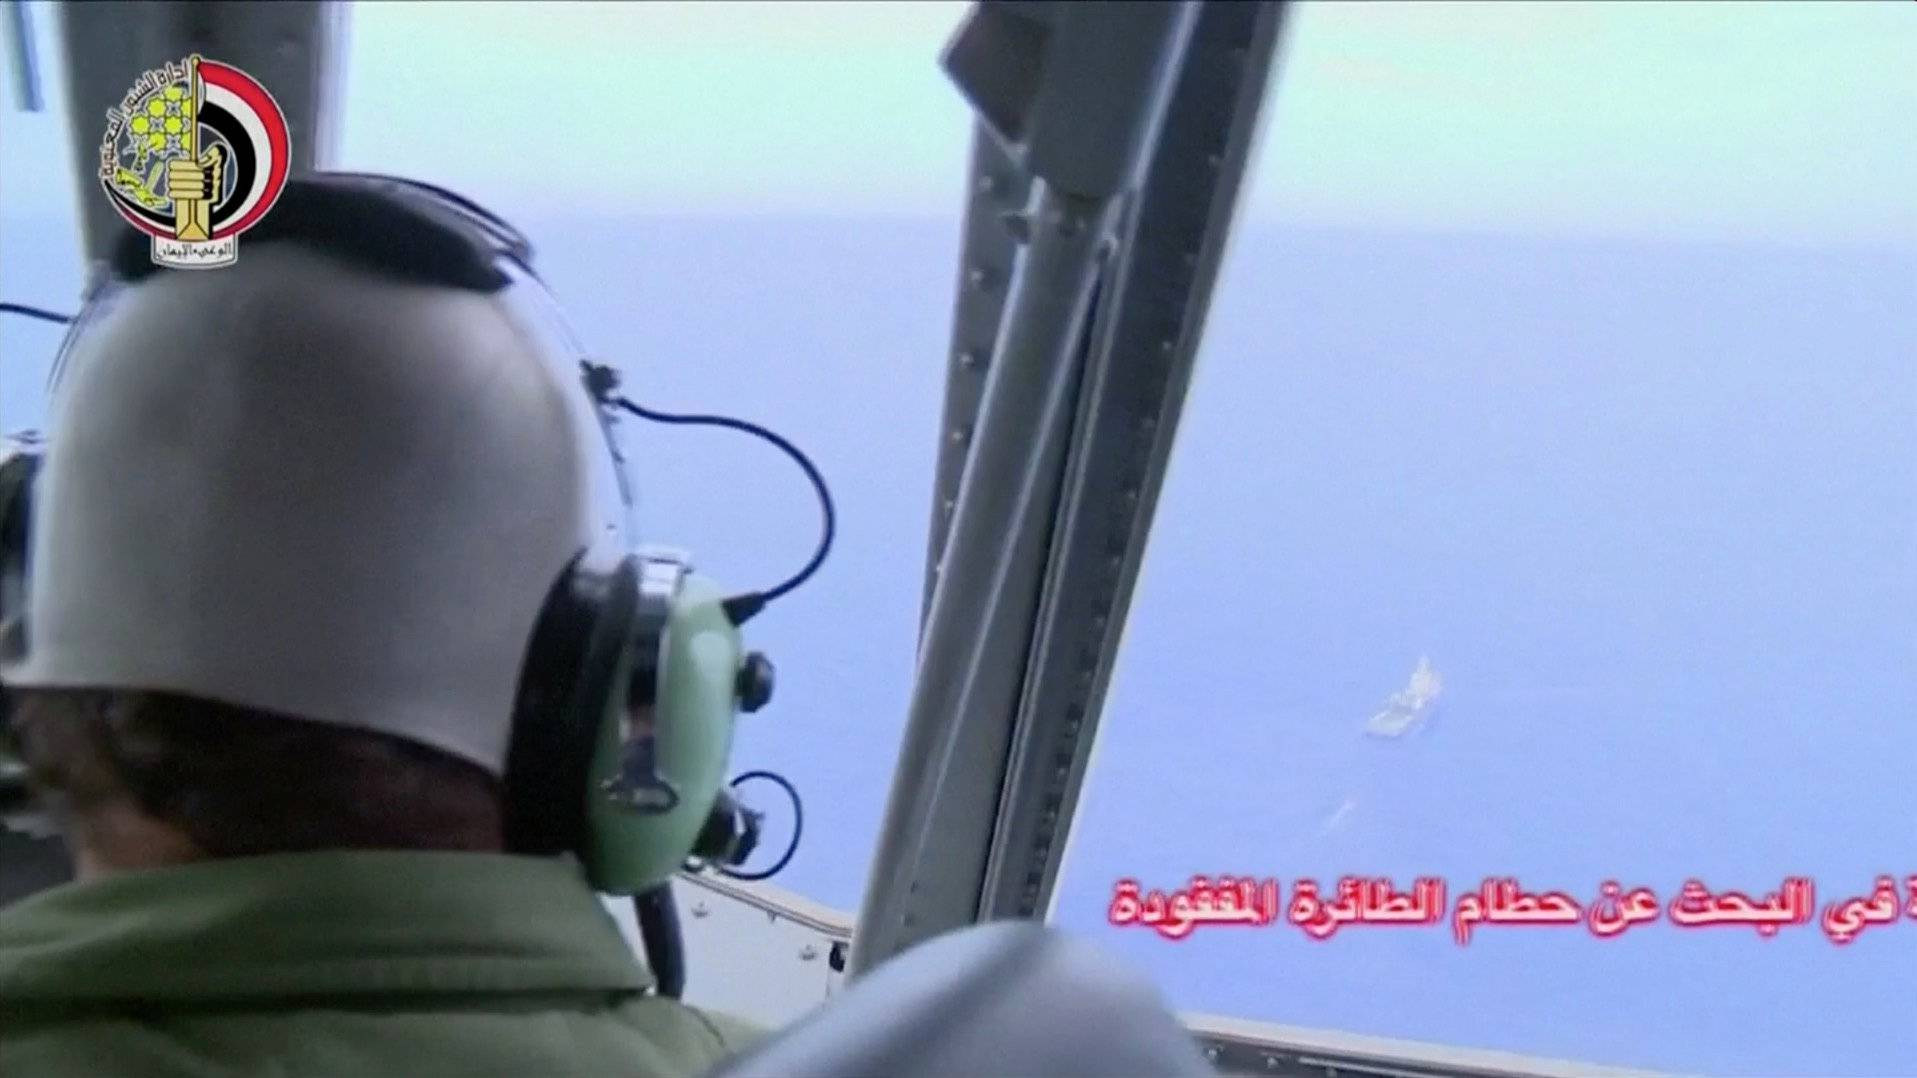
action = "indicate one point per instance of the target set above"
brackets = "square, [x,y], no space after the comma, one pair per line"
[1712,120]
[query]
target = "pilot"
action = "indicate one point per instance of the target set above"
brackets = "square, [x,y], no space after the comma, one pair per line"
[293,530]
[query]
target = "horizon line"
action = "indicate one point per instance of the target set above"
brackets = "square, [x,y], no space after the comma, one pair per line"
[563,215]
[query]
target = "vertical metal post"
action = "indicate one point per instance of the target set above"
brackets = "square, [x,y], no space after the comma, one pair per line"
[972,662]
[1141,358]
[295,49]
[1074,94]
[997,193]
[23,57]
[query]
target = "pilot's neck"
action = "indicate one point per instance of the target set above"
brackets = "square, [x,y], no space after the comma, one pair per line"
[119,838]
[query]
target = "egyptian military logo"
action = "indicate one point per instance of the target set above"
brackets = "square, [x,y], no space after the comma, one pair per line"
[195,154]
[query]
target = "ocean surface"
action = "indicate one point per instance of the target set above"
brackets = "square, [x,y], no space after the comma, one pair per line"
[1648,508]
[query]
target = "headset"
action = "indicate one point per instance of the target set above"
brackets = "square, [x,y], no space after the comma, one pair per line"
[635,671]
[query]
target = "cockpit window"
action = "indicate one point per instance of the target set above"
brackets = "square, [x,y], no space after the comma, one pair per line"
[1542,510]
[751,210]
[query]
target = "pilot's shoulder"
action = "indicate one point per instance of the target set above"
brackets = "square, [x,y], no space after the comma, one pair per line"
[684,1034]
[735,1033]
[641,1037]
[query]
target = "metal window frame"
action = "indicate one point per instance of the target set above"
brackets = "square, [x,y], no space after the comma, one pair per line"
[1041,517]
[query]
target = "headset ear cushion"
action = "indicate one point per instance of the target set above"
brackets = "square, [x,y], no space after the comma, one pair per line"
[566,693]
[18,469]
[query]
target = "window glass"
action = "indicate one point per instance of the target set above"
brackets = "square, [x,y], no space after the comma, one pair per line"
[1569,347]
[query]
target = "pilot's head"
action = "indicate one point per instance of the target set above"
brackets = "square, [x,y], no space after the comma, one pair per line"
[296,522]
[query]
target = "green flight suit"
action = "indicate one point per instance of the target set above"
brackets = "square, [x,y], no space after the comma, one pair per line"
[338,965]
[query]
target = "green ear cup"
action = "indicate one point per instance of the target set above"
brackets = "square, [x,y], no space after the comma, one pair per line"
[630,850]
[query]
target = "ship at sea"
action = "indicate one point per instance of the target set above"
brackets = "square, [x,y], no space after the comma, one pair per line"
[1409,708]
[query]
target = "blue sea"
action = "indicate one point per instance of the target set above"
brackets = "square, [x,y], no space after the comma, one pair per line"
[1647,507]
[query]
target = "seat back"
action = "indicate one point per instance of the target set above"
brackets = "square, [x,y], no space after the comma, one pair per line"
[1011,998]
